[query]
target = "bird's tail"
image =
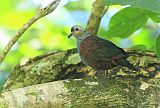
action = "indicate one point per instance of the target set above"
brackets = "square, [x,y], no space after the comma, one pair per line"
[126,63]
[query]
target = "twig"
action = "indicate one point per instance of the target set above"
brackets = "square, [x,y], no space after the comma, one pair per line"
[43,12]
[98,11]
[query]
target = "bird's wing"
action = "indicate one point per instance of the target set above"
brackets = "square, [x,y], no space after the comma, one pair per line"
[106,50]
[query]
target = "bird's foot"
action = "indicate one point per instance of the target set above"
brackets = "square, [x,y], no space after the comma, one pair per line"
[100,73]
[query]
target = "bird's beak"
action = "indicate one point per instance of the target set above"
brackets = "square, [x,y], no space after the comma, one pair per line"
[70,35]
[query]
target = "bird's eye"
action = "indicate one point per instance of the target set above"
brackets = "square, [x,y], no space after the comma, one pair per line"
[77,29]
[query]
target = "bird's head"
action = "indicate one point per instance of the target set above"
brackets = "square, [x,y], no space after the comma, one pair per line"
[76,31]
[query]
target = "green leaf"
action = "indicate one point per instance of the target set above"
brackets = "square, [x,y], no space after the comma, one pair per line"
[154,16]
[152,5]
[158,46]
[139,47]
[126,22]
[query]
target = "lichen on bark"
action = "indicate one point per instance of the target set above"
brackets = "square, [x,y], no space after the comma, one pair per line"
[88,92]
[59,66]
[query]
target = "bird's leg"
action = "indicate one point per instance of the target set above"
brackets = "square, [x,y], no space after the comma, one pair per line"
[106,73]
[98,73]
[94,74]
[113,60]
[101,73]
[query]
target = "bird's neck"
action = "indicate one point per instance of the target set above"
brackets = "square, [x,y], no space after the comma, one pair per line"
[79,39]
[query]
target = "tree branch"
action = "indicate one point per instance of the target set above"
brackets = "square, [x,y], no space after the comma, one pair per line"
[90,92]
[97,13]
[43,12]
[63,65]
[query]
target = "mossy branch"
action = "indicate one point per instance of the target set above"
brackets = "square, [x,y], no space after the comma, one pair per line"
[43,12]
[86,93]
[67,65]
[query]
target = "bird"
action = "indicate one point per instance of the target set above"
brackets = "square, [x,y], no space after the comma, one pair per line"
[98,53]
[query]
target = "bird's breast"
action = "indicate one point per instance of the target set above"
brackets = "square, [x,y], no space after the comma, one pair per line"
[86,50]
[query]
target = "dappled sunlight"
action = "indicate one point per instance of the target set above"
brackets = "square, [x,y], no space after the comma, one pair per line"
[3,39]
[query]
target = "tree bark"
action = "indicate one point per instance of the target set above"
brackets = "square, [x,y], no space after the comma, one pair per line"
[63,65]
[86,93]
[97,13]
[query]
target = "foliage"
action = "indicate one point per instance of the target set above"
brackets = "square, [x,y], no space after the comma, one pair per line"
[158,46]
[129,20]
[152,5]
[126,22]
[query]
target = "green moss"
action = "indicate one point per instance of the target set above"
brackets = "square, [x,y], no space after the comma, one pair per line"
[93,93]
[33,93]
[108,92]
[37,95]
[36,69]
[73,59]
